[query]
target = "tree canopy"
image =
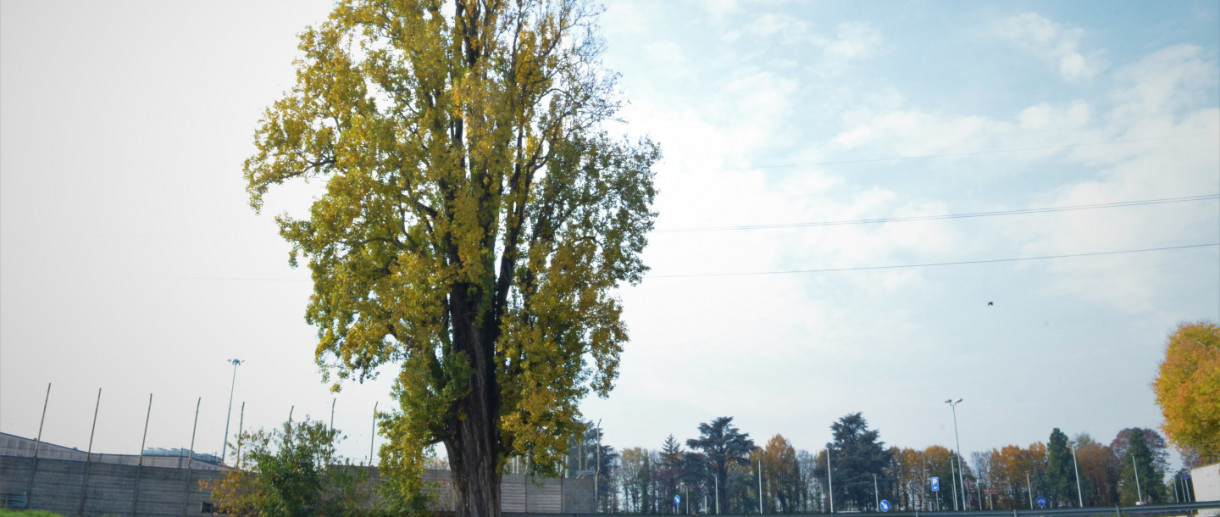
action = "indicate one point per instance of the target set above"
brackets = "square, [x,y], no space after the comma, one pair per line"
[293,471]
[1060,475]
[475,223]
[1187,388]
[783,475]
[1140,479]
[858,456]
[723,445]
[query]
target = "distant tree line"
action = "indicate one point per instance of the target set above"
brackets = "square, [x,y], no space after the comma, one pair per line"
[724,469]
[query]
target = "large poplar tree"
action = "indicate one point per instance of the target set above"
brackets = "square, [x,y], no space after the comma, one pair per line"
[475,223]
[1060,476]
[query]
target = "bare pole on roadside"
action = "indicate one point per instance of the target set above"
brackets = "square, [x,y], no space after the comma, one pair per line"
[597,476]
[240,420]
[830,486]
[135,496]
[224,447]
[84,486]
[38,442]
[190,459]
[373,434]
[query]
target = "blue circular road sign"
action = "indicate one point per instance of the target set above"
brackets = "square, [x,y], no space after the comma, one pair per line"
[885,505]
[677,499]
[1042,501]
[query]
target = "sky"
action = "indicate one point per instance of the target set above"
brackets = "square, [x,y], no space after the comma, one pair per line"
[801,269]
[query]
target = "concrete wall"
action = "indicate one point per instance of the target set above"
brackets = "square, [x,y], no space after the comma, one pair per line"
[524,494]
[60,486]
[13,445]
[168,487]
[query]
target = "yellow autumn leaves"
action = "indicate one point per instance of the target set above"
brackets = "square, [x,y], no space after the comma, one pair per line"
[1187,387]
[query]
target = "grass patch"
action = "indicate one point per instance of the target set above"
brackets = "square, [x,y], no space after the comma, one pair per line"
[28,513]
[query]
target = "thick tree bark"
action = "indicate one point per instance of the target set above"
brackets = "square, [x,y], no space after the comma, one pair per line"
[472,463]
[474,441]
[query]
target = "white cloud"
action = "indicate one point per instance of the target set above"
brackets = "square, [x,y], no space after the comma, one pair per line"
[851,41]
[1053,42]
[917,133]
[1161,132]
[719,9]
[666,53]
[854,40]
[790,29]
[1044,116]
[1164,82]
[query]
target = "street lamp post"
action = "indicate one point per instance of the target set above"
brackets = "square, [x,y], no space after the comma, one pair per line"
[1076,466]
[229,413]
[760,492]
[830,483]
[1136,470]
[1029,490]
[598,474]
[961,477]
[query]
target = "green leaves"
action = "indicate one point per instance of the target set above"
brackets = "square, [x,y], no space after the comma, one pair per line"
[292,471]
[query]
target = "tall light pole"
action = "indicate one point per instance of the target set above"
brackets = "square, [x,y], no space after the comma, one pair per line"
[229,413]
[1136,470]
[1076,466]
[760,492]
[961,477]
[1029,490]
[597,474]
[830,484]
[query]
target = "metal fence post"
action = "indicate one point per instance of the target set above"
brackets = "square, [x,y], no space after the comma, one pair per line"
[240,421]
[135,496]
[186,503]
[373,434]
[37,442]
[84,486]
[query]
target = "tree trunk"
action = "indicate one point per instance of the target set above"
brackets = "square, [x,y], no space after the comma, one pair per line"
[474,474]
[474,445]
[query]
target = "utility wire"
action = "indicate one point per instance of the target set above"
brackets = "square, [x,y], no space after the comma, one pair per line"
[968,153]
[938,217]
[939,264]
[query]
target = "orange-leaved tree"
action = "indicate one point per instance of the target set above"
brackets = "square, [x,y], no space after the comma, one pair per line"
[1188,388]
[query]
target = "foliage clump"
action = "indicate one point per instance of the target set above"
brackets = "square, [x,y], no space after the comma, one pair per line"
[1187,388]
[476,222]
[294,471]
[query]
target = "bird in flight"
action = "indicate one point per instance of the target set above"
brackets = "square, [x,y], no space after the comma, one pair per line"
[990,304]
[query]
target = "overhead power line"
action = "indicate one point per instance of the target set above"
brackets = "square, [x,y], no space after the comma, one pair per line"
[968,153]
[940,264]
[938,217]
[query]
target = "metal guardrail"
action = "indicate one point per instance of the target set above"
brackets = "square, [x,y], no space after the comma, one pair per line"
[1149,510]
